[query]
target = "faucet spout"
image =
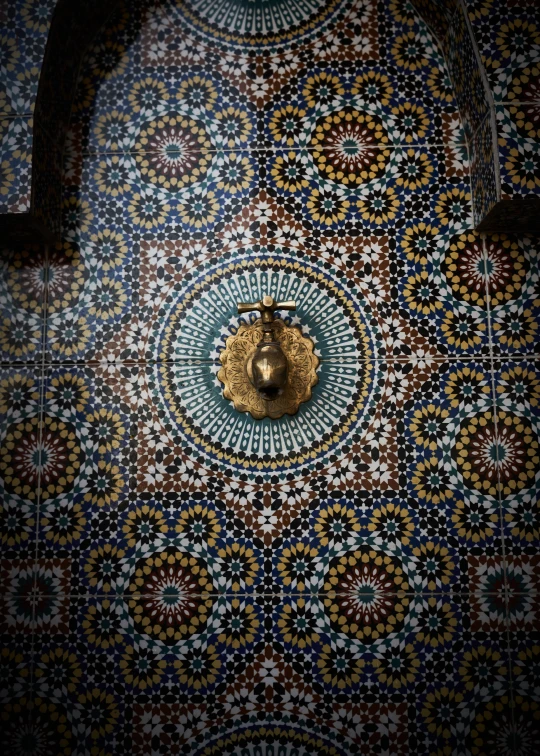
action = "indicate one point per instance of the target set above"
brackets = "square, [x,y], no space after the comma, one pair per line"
[268,368]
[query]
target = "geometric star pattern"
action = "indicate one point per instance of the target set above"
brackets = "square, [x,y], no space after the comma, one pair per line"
[178,577]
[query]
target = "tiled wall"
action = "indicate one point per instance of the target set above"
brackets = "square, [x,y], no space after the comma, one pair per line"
[492,48]
[508,37]
[43,42]
[176,577]
[23,32]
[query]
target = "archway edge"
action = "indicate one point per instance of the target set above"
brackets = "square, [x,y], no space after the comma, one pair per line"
[499,204]
[71,30]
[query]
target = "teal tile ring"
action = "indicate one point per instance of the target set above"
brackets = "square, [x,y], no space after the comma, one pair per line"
[190,333]
[288,734]
[239,25]
[196,416]
[197,317]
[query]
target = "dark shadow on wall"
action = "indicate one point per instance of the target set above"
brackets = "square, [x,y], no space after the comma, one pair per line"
[491,72]
[32,214]
[505,197]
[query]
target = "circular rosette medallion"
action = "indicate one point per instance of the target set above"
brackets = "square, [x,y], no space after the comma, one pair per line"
[46,457]
[275,739]
[365,595]
[191,333]
[170,596]
[466,270]
[254,24]
[507,453]
[171,151]
[500,728]
[35,727]
[348,147]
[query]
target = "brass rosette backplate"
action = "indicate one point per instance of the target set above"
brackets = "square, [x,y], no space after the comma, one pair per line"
[234,373]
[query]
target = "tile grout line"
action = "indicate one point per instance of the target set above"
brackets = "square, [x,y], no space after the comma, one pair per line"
[41,373]
[498,478]
[273,150]
[342,362]
[452,594]
[517,103]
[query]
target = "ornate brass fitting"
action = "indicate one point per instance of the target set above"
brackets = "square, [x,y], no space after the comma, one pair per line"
[268,368]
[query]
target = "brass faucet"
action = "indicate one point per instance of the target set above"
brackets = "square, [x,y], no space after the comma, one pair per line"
[267,367]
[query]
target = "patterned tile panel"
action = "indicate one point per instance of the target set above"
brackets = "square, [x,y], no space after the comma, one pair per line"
[360,578]
[109,495]
[22,286]
[508,36]
[514,318]
[233,205]
[465,73]
[269,670]
[484,179]
[516,388]
[85,476]
[519,150]
[15,164]
[24,35]
[20,401]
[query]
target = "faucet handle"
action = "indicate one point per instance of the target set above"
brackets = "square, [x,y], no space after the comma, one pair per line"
[267,306]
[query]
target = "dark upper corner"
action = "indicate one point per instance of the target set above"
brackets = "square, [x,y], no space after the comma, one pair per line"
[72,28]
[503,199]
[37,219]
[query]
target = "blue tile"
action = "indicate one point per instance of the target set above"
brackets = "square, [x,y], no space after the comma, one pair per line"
[15,164]
[514,313]
[465,73]
[347,574]
[22,288]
